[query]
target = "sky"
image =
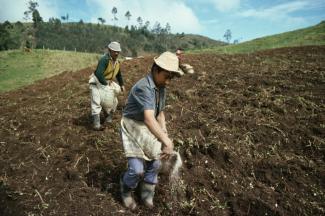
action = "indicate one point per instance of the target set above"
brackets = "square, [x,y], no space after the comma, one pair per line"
[246,19]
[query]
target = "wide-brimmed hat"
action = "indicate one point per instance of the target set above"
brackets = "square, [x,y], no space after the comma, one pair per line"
[115,46]
[169,61]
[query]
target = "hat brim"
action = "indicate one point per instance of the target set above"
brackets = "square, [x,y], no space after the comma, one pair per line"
[177,72]
[115,50]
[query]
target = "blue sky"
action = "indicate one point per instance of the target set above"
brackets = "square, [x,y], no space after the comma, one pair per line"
[247,19]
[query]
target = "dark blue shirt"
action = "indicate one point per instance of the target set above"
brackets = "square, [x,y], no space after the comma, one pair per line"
[144,95]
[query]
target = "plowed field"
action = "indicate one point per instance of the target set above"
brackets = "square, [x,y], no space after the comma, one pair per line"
[250,129]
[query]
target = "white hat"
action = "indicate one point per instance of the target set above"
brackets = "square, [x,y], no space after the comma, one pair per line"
[169,61]
[115,46]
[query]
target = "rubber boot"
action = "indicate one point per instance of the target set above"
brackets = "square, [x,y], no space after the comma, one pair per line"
[96,122]
[147,194]
[127,198]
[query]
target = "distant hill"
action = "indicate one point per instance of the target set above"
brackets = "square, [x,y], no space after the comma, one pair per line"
[87,37]
[192,41]
[314,35]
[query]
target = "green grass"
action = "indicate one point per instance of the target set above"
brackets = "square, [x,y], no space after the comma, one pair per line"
[18,68]
[314,35]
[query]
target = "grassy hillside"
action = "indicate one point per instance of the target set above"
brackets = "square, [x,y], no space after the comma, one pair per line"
[191,41]
[314,35]
[134,41]
[88,37]
[19,68]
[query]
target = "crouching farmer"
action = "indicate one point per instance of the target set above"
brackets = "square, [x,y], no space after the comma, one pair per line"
[186,68]
[103,90]
[143,129]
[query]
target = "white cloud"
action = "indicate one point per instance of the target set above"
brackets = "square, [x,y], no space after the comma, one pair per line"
[14,10]
[275,12]
[175,12]
[225,5]
[283,12]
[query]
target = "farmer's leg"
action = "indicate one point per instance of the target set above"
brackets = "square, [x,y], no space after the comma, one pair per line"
[149,183]
[95,106]
[110,110]
[95,100]
[130,180]
[134,173]
[152,170]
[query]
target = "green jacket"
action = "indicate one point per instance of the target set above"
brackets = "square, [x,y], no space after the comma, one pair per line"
[103,63]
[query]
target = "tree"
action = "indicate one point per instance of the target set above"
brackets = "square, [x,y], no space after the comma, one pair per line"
[140,21]
[114,12]
[32,5]
[156,28]
[168,28]
[227,35]
[101,20]
[146,25]
[4,35]
[28,44]
[37,19]
[65,18]
[30,33]
[128,15]
[55,22]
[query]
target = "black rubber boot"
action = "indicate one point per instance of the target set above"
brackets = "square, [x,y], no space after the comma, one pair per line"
[96,122]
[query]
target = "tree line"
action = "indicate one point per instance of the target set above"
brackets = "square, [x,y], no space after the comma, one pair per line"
[62,34]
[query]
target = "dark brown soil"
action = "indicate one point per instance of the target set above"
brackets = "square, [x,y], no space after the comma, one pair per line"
[250,129]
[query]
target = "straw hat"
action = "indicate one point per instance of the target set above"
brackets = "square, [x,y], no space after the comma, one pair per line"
[115,46]
[169,61]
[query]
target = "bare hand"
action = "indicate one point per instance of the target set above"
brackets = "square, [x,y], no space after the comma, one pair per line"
[167,150]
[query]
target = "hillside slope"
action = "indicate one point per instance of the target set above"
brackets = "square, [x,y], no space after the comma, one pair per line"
[314,35]
[19,68]
[87,37]
[250,130]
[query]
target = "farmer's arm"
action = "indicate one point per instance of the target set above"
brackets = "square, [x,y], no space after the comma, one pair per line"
[101,67]
[162,122]
[157,130]
[120,79]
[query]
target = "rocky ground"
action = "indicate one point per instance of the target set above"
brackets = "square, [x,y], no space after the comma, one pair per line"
[250,129]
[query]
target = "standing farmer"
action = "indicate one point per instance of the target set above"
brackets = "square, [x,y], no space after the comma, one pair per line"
[103,89]
[143,128]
